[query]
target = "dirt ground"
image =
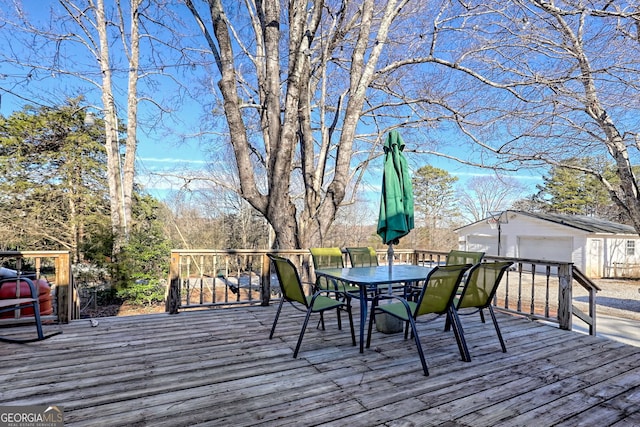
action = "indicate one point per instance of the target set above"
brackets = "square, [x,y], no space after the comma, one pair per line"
[121,310]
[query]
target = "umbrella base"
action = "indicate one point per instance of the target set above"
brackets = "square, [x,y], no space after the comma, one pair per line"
[388,324]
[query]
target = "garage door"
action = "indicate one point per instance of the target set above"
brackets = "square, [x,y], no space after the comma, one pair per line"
[546,248]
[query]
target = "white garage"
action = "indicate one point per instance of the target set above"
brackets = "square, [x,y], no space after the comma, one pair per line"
[597,247]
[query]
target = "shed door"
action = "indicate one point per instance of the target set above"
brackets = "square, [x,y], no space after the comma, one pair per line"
[546,248]
[595,261]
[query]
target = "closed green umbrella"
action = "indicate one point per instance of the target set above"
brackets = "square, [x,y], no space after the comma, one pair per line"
[396,203]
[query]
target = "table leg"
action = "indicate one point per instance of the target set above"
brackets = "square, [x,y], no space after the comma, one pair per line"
[363,314]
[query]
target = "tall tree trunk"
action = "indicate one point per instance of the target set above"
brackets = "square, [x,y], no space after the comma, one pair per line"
[114,176]
[132,118]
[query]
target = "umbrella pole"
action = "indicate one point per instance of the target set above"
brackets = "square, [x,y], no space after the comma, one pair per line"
[390,262]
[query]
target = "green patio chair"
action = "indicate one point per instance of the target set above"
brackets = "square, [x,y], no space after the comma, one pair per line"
[366,257]
[456,257]
[363,257]
[479,289]
[436,298]
[329,258]
[292,292]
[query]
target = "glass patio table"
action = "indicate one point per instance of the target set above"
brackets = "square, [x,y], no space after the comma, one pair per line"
[373,279]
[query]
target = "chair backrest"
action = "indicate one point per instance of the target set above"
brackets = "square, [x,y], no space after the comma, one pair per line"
[464,257]
[481,284]
[290,283]
[363,257]
[440,289]
[326,258]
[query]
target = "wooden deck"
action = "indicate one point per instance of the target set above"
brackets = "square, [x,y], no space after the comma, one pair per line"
[218,368]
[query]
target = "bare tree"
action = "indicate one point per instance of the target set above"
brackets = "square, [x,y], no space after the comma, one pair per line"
[96,44]
[542,82]
[299,76]
[307,89]
[482,195]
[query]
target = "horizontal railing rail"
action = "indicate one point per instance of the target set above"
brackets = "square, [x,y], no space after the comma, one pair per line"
[537,289]
[55,267]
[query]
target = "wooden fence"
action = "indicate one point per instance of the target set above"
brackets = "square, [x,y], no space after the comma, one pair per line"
[55,267]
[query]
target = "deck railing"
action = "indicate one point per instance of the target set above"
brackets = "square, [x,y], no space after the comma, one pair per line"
[55,267]
[537,289]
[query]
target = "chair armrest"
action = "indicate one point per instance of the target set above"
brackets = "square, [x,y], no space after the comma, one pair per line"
[378,297]
[326,291]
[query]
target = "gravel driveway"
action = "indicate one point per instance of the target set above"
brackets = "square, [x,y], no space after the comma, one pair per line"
[619,298]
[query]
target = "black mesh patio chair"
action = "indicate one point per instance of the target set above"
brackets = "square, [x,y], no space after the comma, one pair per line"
[436,297]
[479,289]
[293,293]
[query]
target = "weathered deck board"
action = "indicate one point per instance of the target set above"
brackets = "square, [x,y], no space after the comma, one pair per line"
[217,367]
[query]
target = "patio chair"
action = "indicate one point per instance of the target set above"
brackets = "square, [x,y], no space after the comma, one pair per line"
[479,289]
[363,257]
[366,257]
[329,258]
[456,257]
[292,292]
[21,303]
[436,298]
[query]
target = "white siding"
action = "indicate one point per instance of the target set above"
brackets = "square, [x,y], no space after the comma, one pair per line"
[482,243]
[617,263]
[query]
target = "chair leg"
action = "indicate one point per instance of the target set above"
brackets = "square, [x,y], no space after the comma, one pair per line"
[36,315]
[482,315]
[304,328]
[416,338]
[447,323]
[495,324]
[459,334]
[414,334]
[273,328]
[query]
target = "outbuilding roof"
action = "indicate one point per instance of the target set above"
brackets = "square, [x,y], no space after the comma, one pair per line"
[581,222]
[586,223]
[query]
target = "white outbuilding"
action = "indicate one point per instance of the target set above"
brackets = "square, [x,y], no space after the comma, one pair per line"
[597,247]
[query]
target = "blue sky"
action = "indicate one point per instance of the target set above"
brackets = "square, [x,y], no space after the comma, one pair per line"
[160,151]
